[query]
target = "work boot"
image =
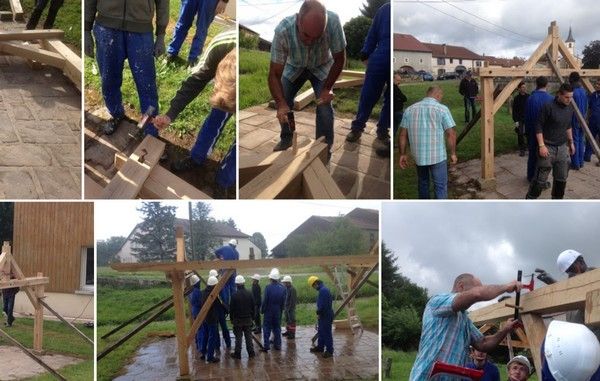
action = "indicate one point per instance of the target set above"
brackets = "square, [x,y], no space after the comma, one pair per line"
[214,360]
[384,151]
[534,191]
[558,189]
[236,355]
[184,165]
[546,185]
[282,145]
[353,136]
[251,354]
[111,125]
[316,350]
[327,355]
[384,137]
[291,336]
[277,348]
[522,153]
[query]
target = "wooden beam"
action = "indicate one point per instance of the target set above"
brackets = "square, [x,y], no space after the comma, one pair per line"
[346,83]
[19,274]
[536,332]
[35,34]
[126,184]
[32,281]
[350,260]
[475,119]
[32,52]
[92,189]
[38,318]
[312,188]
[69,324]
[563,296]
[553,31]
[16,9]
[533,72]
[252,165]
[72,62]
[303,99]
[274,179]
[326,180]
[487,130]
[353,73]
[564,50]
[592,308]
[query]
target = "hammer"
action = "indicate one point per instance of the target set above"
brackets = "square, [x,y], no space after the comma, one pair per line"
[146,117]
[292,124]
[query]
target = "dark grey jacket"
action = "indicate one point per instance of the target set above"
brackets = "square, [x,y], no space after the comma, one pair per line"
[129,15]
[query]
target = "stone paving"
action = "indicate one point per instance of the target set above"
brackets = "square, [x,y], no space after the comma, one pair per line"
[511,182]
[354,358]
[16,365]
[40,131]
[355,167]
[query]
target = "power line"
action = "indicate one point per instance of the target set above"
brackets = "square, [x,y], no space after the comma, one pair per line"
[257,4]
[276,14]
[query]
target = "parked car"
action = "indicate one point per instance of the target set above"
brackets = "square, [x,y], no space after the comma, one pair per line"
[450,75]
[440,77]
[425,75]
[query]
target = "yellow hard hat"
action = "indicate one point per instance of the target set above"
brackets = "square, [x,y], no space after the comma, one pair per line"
[312,279]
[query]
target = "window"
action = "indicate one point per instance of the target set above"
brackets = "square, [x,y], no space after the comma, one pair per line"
[478,63]
[451,60]
[460,61]
[405,60]
[421,60]
[441,61]
[251,253]
[87,277]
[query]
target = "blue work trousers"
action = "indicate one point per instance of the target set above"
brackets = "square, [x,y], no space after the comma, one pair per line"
[204,12]
[439,174]
[579,142]
[325,334]
[595,129]
[113,47]
[212,340]
[227,171]
[272,323]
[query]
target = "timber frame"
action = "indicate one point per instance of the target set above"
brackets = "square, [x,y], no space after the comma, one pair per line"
[299,173]
[579,292]
[360,266]
[51,50]
[548,49]
[140,175]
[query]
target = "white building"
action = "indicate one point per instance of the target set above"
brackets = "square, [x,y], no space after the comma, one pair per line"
[410,55]
[451,58]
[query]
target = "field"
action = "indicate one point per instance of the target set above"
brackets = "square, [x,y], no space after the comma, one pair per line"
[505,139]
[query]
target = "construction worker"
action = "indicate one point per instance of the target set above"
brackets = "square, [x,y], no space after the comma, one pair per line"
[8,302]
[580,99]
[212,332]
[570,352]
[125,33]
[447,330]
[222,311]
[538,98]
[272,306]
[324,318]
[594,119]
[480,361]
[204,11]
[256,294]
[469,89]
[228,253]
[289,309]
[195,299]
[40,5]
[242,311]
[519,368]
[518,115]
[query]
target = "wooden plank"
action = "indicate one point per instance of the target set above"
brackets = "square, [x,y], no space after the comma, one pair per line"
[38,318]
[35,34]
[487,130]
[553,31]
[303,99]
[73,64]
[534,72]
[345,83]
[564,50]
[129,180]
[92,189]
[19,274]
[536,332]
[177,279]
[312,188]
[32,281]
[352,260]
[353,73]
[17,10]
[252,165]
[31,52]
[274,179]
[326,180]
[563,296]
[592,308]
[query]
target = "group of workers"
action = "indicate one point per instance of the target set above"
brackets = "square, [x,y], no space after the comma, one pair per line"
[570,351]
[245,307]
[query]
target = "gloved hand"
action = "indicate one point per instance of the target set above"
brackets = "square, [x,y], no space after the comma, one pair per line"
[88,44]
[159,45]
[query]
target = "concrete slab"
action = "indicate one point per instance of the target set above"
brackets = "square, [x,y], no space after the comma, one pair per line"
[355,357]
[16,365]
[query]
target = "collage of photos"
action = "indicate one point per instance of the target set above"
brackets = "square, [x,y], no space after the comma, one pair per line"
[300,190]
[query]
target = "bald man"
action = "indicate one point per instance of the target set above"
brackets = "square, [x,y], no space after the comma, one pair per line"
[447,330]
[308,46]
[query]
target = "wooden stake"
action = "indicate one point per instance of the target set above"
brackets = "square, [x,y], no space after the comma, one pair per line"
[38,318]
[177,278]
[487,131]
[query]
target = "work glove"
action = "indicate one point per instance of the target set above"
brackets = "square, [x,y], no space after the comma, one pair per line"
[159,45]
[88,44]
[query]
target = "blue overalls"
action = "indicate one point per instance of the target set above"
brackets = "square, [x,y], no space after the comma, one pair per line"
[205,12]
[377,77]
[195,299]
[325,319]
[533,106]
[221,310]
[228,253]
[113,47]
[272,307]
[580,98]
[594,122]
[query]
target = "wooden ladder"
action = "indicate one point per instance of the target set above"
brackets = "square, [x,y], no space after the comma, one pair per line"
[344,289]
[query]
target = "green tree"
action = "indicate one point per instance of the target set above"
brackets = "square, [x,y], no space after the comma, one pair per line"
[356,31]
[248,40]
[203,227]
[108,248]
[591,55]
[370,8]
[259,240]
[344,239]
[155,238]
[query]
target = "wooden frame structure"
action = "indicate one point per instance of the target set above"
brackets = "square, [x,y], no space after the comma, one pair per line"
[51,51]
[289,174]
[16,11]
[140,175]
[175,271]
[579,292]
[549,48]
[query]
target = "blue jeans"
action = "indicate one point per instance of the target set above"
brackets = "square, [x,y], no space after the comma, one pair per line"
[224,329]
[204,11]
[113,47]
[439,175]
[595,129]
[212,340]
[324,119]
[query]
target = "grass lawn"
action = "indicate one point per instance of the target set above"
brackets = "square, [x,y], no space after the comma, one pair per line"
[67,19]
[169,79]
[402,364]
[505,139]
[58,338]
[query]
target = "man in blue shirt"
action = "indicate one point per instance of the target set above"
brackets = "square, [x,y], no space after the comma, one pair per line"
[534,104]
[272,308]
[324,318]
[480,362]
[228,253]
[594,119]
[581,100]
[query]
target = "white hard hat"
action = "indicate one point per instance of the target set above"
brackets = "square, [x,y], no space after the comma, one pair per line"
[566,259]
[572,351]
[212,280]
[287,279]
[194,279]
[521,360]
[233,242]
[239,279]
[255,277]
[213,272]
[274,274]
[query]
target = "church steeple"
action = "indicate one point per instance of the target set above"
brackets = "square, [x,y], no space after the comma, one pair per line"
[570,42]
[570,38]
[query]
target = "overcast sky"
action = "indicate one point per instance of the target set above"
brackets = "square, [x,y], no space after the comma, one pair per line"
[520,25]
[274,219]
[435,242]
[262,16]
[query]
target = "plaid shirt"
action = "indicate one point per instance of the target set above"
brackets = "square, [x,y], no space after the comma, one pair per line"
[445,336]
[288,50]
[426,122]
